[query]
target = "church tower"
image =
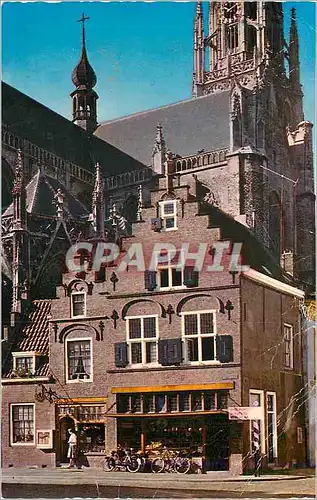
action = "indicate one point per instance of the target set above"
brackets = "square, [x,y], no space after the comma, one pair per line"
[84,97]
[242,37]
[246,56]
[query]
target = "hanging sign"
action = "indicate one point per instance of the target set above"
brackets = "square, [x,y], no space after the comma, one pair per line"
[246,413]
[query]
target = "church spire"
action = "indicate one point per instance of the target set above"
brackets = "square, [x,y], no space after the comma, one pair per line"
[20,261]
[159,150]
[199,52]
[294,52]
[98,204]
[84,97]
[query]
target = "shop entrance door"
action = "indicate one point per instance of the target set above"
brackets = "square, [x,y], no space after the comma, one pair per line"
[217,443]
[64,424]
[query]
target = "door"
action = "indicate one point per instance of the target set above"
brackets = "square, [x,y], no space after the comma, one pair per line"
[217,443]
[65,424]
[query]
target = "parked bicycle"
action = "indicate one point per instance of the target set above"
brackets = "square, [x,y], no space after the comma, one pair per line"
[122,459]
[170,461]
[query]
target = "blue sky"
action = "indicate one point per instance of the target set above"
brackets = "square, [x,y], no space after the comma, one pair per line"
[141,52]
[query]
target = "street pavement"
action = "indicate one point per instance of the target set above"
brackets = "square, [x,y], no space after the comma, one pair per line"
[94,483]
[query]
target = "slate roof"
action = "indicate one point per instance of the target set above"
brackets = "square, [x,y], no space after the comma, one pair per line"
[188,126]
[33,121]
[40,193]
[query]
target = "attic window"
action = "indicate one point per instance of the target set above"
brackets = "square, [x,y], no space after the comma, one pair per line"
[168,214]
[23,364]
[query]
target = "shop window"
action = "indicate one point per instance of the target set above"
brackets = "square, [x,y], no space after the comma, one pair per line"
[91,437]
[222,400]
[149,403]
[184,401]
[197,402]
[136,406]
[288,347]
[22,424]
[160,405]
[142,335]
[199,337]
[168,213]
[78,301]
[172,402]
[271,425]
[90,413]
[210,401]
[79,360]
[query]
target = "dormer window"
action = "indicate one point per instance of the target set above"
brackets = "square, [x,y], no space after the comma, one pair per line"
[168,214]
[78,304]
[23,364]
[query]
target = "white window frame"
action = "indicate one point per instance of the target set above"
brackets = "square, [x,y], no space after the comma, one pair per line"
[291,344]
[78,381]
[72,305]
[143,341]
[260,393]
[271,393]
[179,267]
[12,443]
[199,336]
[168,216]
[27,354]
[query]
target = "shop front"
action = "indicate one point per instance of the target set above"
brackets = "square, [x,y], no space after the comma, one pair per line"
[193,420]
[87,417]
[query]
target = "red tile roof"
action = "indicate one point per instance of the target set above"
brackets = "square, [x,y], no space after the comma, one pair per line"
[35,333]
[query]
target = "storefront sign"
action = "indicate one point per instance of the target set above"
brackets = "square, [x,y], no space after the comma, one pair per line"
[246,413]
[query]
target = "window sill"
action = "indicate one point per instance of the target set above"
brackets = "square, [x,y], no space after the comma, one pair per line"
[23,444]
[79,381]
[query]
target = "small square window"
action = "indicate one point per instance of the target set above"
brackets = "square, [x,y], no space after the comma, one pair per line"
[78,304]
[169,215]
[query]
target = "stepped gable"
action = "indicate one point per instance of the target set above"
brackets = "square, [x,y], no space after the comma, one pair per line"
[189,126]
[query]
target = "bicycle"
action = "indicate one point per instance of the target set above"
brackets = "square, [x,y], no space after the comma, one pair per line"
[171,462]
[122,459]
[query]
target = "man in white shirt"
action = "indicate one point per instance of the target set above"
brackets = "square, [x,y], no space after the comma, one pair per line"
[72,445]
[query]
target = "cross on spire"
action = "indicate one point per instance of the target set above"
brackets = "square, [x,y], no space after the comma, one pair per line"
[82,20]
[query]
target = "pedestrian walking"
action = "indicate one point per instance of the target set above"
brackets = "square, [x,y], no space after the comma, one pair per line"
[72,448]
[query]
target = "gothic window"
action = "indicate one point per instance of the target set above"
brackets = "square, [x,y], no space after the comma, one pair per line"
[274,224]
[251,39]
[250,9]
[130,209]
[230,14]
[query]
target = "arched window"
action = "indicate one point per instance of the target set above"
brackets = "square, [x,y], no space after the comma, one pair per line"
[275,224]
[183,165]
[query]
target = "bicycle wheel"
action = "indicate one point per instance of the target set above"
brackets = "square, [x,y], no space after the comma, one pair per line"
[109,464]
[134,464]
[158,465]
[182,465]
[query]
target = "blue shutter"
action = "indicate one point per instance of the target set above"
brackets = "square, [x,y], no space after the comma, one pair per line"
[170,352]
[150,280]
[190,276]
[121,354]
[224,346]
